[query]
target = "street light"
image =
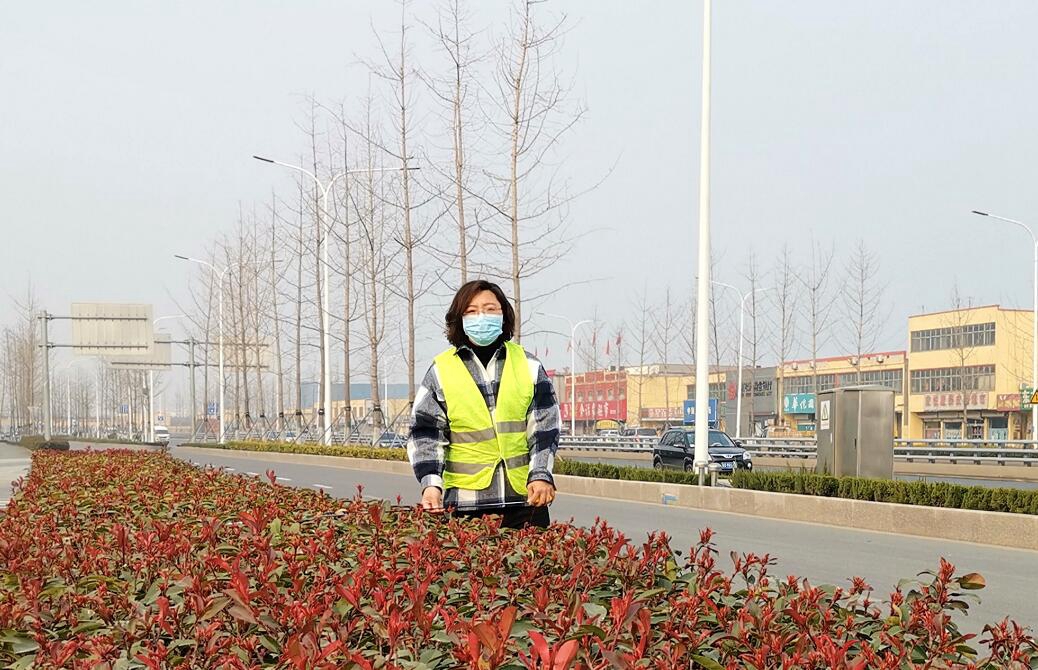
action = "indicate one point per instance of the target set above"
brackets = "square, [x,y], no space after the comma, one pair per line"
[702,453]
[326,372]
[742,322]
[1034,308]
[572,369]
[219,293]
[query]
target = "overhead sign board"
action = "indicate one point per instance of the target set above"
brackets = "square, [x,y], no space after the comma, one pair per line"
[111,329]
[160,358]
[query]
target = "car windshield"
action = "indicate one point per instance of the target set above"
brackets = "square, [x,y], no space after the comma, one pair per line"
[720,439]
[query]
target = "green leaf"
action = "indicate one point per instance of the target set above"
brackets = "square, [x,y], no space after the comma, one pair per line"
[706,662]
[594,610]
[20,642]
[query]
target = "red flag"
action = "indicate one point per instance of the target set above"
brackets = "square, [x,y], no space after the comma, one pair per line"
[619,337]
[594,338]
[607,348]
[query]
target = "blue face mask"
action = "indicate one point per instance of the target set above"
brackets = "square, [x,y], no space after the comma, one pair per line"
[483,329]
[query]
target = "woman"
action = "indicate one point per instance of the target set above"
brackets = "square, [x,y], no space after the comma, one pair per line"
[485,422]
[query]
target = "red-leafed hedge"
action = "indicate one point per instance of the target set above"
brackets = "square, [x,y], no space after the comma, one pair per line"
[129,559]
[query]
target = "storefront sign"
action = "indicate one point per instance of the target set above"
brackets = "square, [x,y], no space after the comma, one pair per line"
[955,401]
[1008,402]
[690,412]
[662,413]
[798,403]
[592,411]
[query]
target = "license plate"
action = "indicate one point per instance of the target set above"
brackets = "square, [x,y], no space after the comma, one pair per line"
[728,466]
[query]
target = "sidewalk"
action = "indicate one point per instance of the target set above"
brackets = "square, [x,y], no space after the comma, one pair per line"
[14,463]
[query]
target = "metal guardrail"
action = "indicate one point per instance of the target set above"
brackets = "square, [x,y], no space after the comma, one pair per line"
[974,452]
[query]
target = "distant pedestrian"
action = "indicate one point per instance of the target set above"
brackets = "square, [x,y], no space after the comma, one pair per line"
[485,422]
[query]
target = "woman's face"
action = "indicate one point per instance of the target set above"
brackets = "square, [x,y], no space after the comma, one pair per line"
[484,302]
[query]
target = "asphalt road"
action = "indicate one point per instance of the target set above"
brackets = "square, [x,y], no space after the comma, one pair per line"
[823,554]
[14,463]
[965,481]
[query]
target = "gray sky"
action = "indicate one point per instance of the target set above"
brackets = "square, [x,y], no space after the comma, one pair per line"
[126,130]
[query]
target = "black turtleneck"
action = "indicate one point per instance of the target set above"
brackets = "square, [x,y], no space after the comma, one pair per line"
[484,354]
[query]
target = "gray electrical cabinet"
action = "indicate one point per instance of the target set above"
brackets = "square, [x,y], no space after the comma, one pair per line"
[855,432]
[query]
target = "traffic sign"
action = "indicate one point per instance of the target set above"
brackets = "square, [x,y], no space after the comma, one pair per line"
[1034,398]
[690,412]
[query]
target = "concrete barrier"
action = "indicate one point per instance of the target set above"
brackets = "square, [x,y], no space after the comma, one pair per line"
[993,528]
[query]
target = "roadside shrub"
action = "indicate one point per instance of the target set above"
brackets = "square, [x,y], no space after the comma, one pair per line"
[377,453]
[932,494]
[131,559]
[35,442]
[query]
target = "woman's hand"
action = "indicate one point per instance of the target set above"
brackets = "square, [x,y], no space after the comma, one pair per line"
[432,499]
[539,493]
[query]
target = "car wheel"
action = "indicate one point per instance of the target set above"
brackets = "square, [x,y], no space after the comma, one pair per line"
[657,464]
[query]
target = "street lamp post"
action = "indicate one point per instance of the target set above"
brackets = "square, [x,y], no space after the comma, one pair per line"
[702,452]
[219,292]
[572,369]
[742,322]
[1034,325]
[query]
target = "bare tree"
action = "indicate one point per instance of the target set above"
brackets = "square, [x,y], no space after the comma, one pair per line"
[643,340]
[784,298]
[532,99]
[862,303]
[957,321]
[756,333]
[665,321]
[455,90]
[818,306]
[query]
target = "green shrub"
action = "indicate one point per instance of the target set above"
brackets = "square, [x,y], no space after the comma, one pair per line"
[930,494]
[377,453]
[35,442]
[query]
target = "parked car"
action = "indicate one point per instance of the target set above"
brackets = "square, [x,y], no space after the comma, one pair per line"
[676,451]
[390,439]
[638,432]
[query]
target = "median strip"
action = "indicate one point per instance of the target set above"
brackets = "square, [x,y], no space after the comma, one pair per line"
[811,505]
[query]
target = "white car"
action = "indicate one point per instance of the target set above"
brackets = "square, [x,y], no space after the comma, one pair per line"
[162,435]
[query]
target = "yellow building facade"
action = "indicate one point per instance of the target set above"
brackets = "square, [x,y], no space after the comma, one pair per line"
[969,374]
[799,378]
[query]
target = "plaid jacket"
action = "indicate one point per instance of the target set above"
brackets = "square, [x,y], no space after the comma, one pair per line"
[430,432]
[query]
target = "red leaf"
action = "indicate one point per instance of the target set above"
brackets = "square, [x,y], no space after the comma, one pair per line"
[565,654]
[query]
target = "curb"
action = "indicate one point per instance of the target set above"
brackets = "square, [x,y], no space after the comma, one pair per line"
[999,529]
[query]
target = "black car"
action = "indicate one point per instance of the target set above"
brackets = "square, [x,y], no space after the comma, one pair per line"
[676,451]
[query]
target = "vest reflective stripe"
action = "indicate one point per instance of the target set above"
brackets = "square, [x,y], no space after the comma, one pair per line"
[479,441]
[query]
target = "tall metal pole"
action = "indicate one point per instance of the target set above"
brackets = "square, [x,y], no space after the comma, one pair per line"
[151,405]
[1034,315]
[194,407]
[738,389]
[44,318]
[68,402]
[702,453]
[223,439]
[97,399]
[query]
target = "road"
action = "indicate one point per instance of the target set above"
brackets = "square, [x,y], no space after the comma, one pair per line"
[14,463]
[965,481]
[823,554]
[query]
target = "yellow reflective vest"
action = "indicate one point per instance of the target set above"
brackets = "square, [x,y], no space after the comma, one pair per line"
[479,440]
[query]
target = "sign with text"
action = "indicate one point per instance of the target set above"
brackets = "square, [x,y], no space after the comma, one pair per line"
[1008,402]
[690,412]
[662,413]
[592,411]
[798,403]
[956,400]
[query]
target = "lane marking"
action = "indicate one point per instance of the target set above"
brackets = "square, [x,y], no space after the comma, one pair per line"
[252,474]
[321,486]
[284,479]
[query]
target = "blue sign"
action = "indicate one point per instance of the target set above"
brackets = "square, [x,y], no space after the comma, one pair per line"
[124,409]
[211,410]
[799,403]
[690,412]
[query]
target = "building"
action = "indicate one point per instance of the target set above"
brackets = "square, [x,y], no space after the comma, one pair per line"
[969,374]
[802,379]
